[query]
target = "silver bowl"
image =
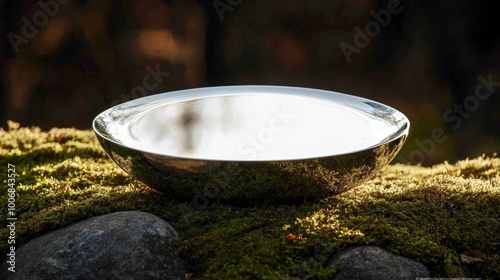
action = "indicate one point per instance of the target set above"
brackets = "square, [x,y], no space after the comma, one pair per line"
[249,145]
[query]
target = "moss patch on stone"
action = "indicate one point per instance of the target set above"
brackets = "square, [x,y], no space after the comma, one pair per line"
[433,215]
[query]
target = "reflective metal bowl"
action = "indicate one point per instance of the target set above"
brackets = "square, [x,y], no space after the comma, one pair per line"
[251,144]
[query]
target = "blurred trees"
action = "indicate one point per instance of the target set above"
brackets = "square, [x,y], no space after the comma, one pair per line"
[92,54]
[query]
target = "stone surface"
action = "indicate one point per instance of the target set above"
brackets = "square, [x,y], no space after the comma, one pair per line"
[121,245]
[374,263]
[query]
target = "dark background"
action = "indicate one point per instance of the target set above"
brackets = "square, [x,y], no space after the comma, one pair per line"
[93,54]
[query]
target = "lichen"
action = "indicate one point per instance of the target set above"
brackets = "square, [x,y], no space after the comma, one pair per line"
[430,214]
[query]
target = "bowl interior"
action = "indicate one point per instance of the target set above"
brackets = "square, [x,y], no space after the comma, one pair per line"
[252,125]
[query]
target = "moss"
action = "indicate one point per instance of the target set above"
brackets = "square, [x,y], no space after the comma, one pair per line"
[429,214]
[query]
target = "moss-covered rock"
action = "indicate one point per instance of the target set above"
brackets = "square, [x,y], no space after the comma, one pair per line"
[120,245]
[433,215]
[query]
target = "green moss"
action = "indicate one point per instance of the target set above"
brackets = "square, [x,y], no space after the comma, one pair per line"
[429,214]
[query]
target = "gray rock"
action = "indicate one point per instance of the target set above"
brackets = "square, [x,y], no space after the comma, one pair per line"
[122,245]
[374,263]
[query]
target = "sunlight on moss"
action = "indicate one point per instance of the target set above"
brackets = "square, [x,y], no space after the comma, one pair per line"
[325,223]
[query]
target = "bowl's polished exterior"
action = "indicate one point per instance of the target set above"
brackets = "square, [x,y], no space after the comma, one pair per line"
[251,144]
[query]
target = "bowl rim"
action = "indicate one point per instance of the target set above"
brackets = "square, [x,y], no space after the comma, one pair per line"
[170,97]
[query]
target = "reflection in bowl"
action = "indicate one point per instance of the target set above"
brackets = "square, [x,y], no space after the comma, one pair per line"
[251,144]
